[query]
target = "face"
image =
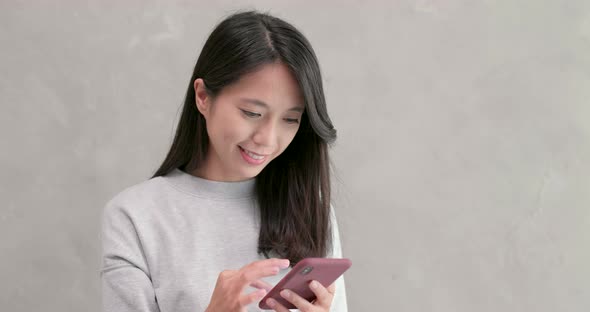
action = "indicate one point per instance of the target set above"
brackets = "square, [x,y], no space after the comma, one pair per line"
[250,123]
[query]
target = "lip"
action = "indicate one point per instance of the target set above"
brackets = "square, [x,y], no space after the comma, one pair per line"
[264,155]
[251,160]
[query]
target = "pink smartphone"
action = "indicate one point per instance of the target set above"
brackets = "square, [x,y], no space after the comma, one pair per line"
[323,270]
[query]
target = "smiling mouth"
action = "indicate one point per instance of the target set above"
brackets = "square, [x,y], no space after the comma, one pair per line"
[252,154]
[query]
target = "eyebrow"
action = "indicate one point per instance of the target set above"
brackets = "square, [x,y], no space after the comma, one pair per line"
[264,105]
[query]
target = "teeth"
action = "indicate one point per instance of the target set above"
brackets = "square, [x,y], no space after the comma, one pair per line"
[254,156]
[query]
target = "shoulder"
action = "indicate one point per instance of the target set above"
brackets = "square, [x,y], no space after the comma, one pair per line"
[333,218]
[336,251]
[136,198]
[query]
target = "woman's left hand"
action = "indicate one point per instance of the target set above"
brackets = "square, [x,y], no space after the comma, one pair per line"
[322,302]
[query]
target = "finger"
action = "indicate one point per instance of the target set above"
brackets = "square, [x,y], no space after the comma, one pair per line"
[272,262]
[275,305]
[332,288]
[260,284]
[260,269]
[252,297]
[295,299]
[323,295]
[248,275]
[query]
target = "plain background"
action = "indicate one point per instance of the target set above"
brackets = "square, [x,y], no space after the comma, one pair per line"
[462,176]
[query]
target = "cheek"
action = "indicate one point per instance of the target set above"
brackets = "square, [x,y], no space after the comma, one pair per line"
[286,140]
[226,135]
[220,136]
[234,131]
[225,127]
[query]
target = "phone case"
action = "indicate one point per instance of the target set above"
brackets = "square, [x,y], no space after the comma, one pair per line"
[323,270]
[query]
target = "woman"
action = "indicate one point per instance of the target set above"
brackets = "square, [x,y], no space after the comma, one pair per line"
[244,191]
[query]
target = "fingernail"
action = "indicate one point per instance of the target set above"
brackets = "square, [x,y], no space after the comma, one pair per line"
[271,303]
[314,284]
[284,264]
[285,293]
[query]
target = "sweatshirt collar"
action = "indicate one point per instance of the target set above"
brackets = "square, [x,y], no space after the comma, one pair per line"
[211,189]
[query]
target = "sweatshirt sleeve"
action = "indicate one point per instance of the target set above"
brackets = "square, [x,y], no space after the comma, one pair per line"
[339,302]
[125,277]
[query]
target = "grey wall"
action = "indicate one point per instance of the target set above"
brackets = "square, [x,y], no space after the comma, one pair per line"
[463,176]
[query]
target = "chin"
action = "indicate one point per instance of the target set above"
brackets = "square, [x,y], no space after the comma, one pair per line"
[253,173]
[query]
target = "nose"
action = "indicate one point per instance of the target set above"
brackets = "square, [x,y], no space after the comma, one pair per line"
[265,134]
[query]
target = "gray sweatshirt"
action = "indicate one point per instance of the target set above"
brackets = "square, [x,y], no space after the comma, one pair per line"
[165,241]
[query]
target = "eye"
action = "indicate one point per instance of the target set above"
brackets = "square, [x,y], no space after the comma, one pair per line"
[292,121]
[250,114]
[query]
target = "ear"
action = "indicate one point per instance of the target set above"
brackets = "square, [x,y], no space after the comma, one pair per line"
[202,99]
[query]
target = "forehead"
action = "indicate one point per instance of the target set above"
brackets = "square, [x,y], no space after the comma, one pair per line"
[273,84]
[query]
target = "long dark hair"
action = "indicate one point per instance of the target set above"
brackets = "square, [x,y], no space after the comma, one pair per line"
[293,190]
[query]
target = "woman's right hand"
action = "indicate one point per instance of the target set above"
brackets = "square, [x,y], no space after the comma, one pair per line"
[227,295]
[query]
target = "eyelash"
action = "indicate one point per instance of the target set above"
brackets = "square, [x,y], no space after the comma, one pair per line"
[253,115]
[250,114]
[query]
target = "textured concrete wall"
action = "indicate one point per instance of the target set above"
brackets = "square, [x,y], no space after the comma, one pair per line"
[462,167]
